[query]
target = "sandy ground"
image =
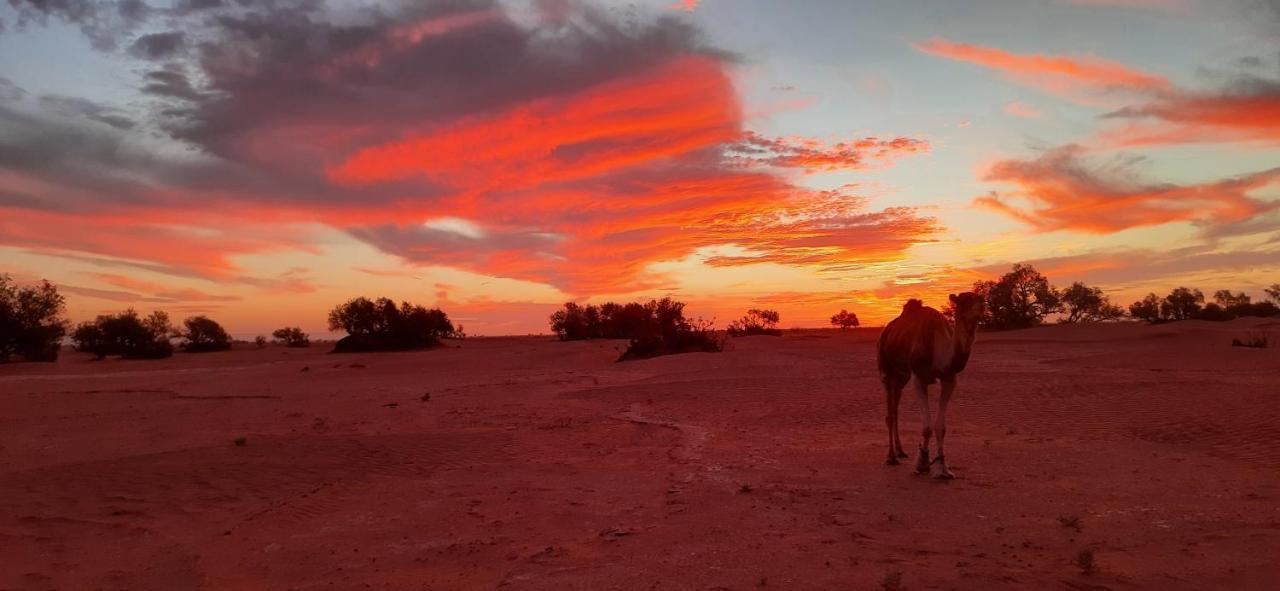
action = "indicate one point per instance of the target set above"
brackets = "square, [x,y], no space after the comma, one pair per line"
[535,464]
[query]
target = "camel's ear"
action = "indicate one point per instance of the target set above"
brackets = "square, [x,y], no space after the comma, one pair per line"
[953,298]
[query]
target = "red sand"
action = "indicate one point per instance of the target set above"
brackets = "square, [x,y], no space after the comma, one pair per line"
[545,465]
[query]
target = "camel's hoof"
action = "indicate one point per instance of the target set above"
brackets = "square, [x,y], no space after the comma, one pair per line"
[939,469]
[891,461]
[903,454]
[922,462]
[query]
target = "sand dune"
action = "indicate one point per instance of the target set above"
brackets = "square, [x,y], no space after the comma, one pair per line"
[535,464]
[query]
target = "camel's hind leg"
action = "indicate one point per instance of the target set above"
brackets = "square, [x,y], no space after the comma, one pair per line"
[892,394]
[892,390]
[897,439]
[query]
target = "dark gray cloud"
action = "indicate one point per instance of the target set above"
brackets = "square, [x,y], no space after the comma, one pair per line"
[158,46]
[171,83]
[69,106]
[185,7]
[282,64]
[421,243]
[104,23]
[10,92]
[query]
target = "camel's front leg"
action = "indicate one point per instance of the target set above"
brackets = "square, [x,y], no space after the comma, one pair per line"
[939,465]
[922,392]
[897,440]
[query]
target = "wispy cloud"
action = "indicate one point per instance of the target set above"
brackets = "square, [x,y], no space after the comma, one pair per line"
[1062,190]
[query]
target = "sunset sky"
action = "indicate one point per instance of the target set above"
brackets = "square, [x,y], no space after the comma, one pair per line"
[261,161]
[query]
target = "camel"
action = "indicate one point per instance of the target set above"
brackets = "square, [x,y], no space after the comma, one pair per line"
[921,342]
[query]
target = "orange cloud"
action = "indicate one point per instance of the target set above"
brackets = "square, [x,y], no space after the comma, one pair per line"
[1251,114]
[1246,110]
[812,155]
[586,191]
[1063,76]
[1060,191]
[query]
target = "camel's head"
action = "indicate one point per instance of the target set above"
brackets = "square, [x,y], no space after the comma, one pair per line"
[969,307]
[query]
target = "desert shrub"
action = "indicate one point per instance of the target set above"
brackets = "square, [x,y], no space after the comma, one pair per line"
[1071,521]
[756,322]
[202,334]
[1020,299]
[1147,308]
[1082,303]
[1253,340]
[291,336]
[666,331]
[379,325]
[31,323]
[260,341]
[127,335]
[690,337]
[845,320]
[658,327]
[1085,561]
[607,321]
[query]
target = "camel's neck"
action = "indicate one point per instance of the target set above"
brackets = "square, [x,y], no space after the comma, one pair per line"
[962,337]
[964,333]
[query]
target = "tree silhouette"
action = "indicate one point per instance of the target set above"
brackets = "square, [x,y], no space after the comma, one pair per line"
[845,320]
[1229,300]
[379,325]
[756,322]
[1273,292]
[658,327]
[1087,304]
[1147,308]
[31,323]
[1020,299]
[292,336]
[202,334]
[1181,304]
[127,335]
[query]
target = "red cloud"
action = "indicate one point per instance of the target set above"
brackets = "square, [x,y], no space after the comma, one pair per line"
[452,134]
[681,106]
[1059,191]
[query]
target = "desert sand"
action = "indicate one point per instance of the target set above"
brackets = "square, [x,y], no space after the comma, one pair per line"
[526,463]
